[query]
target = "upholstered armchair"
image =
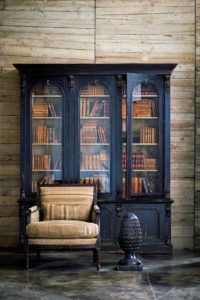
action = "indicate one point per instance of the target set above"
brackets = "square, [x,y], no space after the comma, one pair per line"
[66,218]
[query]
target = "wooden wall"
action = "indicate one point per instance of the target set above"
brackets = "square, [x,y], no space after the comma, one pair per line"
[197,162]
[137,31]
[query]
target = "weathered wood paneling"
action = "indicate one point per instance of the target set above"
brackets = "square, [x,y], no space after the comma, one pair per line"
[197,157]
[160,31]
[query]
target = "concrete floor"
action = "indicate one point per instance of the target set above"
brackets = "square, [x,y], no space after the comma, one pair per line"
[71,275]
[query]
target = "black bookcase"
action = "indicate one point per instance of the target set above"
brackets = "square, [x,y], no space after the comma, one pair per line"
[107,124]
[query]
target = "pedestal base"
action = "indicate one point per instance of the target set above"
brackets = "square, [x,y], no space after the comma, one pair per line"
[129,263]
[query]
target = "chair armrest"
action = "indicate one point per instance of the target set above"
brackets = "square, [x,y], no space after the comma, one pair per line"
[33,214]
[96,214]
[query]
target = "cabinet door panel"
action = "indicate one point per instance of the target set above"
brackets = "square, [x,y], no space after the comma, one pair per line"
[47,135]
[145,134]
[97,133]
[152,221]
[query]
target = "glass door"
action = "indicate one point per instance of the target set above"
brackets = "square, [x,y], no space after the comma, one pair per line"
[146,132]
[47,102]
[95,136]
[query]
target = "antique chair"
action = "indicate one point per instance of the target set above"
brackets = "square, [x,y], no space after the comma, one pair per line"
[66,218]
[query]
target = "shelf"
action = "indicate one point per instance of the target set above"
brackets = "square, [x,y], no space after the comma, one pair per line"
[142,170]
[47,144]
[145,144]
[145,118]
[94,96]
[47,96]
[94,170]
[47,170]
[145,96]
[47,118]
[94,118]
[95,144]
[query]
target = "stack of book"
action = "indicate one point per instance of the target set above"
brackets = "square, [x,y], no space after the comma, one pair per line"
[144,108]
[150,163]
[145,88]
[102,181]
[138,160]
[40,109]
[124,161]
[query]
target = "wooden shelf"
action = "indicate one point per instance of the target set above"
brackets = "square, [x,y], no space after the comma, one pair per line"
[94,96]
[94,118]
[145,118]
[47,144]
[47,170]
[47,118]
[47,96]
[95,144]
[144,170]
[145,144]
[145,96]
[94,170]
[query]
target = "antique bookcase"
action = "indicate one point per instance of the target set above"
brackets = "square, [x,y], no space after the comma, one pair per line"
[103,124]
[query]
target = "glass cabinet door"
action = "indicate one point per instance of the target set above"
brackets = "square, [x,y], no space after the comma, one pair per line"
[145,150]
[95,144]
[47,102]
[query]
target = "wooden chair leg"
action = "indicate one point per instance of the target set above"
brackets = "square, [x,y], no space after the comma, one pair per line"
[27,259]
[97,259]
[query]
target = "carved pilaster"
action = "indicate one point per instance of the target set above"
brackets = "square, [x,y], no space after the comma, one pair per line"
[71,82]
[167,83]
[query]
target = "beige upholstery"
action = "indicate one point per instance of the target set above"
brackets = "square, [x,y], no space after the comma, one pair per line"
[62,242]
[67,217]
[62,229]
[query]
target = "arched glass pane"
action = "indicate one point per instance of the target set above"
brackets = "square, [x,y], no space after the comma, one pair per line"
[95,144]
[47,101]
[145,139]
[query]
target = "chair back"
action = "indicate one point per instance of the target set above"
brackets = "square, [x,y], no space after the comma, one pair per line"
[66,202]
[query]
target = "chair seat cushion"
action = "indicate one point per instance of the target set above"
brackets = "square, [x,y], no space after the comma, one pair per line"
[62,229]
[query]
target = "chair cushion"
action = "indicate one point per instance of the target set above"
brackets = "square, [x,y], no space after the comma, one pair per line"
[66,202]
[62,229]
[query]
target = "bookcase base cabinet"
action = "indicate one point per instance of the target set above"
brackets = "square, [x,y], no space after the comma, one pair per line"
[154,220]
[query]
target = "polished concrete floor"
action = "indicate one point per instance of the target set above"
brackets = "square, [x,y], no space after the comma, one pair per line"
[71,275]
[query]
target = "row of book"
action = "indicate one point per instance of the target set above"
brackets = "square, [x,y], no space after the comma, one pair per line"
[142,185]
[141,108]
[97,108]
[44,134]
[93,133]
[95,90]
[44,162]
[43,109]
[148,135]
[102,182]
[99,161]
[139,161]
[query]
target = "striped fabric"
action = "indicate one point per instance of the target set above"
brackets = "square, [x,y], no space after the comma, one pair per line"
[62,242]
[66,202]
